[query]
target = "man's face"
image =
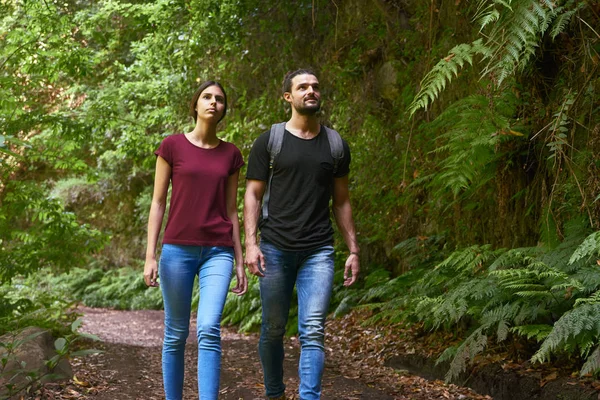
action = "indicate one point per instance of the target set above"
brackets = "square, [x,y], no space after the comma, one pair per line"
[305,96]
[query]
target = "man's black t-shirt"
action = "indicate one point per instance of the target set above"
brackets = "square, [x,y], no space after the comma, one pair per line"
[299,215]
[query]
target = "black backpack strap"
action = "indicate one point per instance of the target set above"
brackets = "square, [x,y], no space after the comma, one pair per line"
[336,146]
[273,147]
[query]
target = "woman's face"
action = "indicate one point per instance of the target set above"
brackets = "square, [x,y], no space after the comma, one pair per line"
[211,104]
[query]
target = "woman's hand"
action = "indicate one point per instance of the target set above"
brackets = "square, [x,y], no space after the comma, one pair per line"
[242,282]
[151,273]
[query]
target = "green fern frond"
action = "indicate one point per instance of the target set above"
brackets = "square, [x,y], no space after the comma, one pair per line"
[469,348]
[502,331]
[471,131]
[590,247]
[577,328]
[468,259]
[444,71]
[388,313]
[516,36]
[592,364]
[537,332]
[515,258]
[497,315]
[390,289]
[534,294]
[563,19]
[593,299]
[488,18]
[447,355]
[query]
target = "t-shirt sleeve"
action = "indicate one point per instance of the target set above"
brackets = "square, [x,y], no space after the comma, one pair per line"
[236,161]
[258,161]
[344,166]
[165,150]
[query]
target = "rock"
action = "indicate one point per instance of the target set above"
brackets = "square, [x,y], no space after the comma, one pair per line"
[28,360]
[386,83]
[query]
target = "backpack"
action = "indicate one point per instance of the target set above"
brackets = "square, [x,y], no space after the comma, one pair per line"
[274,147]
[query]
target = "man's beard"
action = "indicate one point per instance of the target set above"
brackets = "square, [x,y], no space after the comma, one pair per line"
[308,110]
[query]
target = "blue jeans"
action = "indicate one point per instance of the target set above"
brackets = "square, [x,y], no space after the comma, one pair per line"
[178,267]
[312,273]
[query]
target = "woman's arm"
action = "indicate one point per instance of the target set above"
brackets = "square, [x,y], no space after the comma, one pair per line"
[162,177]
[232,212]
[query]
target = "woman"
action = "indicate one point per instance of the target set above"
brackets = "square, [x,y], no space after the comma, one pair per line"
[202,238]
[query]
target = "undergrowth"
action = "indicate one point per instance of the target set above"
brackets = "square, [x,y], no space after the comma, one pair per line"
[540,303]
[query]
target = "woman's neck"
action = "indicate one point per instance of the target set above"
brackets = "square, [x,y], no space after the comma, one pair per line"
[204,135]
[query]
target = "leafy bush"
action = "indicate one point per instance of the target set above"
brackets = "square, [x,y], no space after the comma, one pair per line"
[64,347]
[544,298]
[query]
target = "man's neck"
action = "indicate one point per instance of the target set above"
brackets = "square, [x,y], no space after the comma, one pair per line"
[303,126]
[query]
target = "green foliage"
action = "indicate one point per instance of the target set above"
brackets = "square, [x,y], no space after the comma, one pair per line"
[577,331]
[544,298]
[513,31]
[36,232]
[444,71]
[122,288]
[589,248]
[63,346]
[472,131]
[244,311]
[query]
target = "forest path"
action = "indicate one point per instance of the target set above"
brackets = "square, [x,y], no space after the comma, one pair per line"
[130,366]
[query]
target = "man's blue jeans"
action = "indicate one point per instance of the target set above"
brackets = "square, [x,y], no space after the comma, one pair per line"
[179,265]
[312,273]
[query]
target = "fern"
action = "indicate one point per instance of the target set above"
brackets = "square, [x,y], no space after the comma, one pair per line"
[536,281]
[576,329]
[590,247]
[444,71]
[513,30]
[459,266]
[592,364]
[563,19]
[389,313]
[469,348]
[244,311]
[515,36]
[593,299]
[471,132]
[389,290]
[515,258]
[537,332]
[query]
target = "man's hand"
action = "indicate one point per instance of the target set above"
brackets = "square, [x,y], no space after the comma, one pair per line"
[351,269]
[255,261]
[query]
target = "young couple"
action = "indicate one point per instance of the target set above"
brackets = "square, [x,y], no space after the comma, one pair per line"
[202,236]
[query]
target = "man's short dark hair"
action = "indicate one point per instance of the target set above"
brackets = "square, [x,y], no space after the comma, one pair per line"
[287,81]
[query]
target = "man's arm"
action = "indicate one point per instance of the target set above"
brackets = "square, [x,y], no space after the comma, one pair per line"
[342,211]
[252,208]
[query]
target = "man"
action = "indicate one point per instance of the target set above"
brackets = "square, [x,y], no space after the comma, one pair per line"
[296,241]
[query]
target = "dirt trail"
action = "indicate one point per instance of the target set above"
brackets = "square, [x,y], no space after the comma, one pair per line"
[129,367]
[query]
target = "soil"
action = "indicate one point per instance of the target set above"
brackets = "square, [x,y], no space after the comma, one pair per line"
[130,365]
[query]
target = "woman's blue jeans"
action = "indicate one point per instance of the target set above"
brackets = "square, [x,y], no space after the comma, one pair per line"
[178,267]
[312,273]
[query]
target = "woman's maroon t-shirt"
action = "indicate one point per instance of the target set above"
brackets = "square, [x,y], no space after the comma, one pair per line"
[198,208]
